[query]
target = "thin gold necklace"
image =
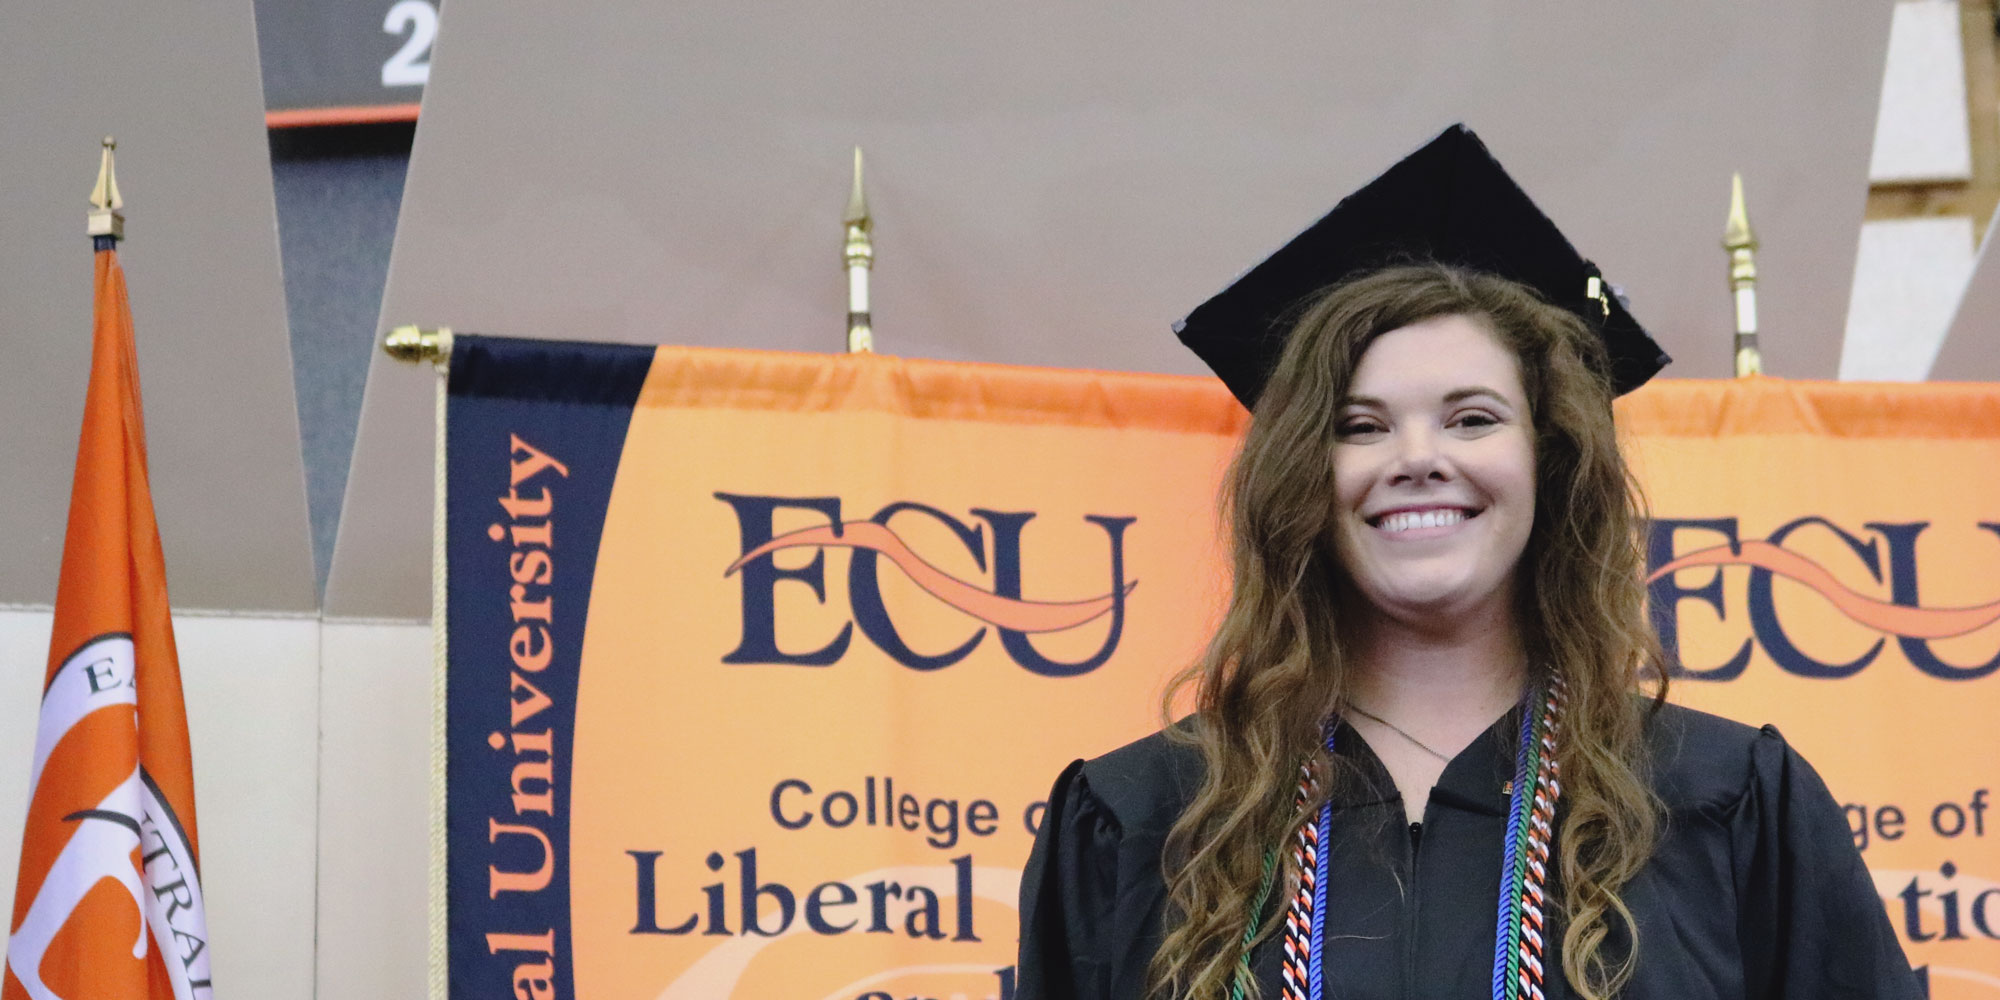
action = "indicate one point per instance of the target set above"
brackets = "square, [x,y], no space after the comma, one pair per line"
[1398,730]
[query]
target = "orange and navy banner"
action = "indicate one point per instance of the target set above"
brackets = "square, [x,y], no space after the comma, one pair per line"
[1826,557]
[109,903]
[761,664]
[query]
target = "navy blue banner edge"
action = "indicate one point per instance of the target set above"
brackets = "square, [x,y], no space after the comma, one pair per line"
[534,432]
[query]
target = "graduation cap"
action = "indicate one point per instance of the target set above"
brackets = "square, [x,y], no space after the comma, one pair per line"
[1447,203]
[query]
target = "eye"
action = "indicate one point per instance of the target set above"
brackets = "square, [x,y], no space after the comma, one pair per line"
[1475,420]
[1358,427]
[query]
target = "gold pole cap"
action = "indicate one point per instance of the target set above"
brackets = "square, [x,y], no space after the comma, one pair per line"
[414,344]
[857,200]
[1736,233]
[1749,362]
[859,248]
[105,202]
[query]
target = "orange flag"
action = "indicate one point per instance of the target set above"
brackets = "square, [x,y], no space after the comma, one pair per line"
[109,902]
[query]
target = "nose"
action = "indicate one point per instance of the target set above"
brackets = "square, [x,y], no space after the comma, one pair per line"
[1418,458]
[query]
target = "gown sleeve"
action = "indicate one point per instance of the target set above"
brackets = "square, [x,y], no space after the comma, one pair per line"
[1068,897]
[1810,922]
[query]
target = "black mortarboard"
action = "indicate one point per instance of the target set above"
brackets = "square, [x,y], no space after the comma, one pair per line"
[1448,203]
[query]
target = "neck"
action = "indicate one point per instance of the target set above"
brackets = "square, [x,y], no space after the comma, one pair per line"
[1463,673]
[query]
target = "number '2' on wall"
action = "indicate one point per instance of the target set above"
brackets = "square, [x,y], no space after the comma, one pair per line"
[411,65]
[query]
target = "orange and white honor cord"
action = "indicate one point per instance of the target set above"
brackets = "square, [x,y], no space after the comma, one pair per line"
[1519,927]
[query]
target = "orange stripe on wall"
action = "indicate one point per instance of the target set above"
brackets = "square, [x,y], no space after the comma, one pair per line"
[366,114]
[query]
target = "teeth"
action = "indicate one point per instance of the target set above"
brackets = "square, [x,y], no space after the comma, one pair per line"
[1411,519]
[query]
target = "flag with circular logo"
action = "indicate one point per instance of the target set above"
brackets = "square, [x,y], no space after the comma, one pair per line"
[108,902]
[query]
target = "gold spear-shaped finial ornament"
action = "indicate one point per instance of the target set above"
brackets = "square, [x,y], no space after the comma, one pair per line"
[858,256]
[1741,242]
[105,218]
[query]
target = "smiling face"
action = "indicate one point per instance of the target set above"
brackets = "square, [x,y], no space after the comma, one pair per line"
[1434,472]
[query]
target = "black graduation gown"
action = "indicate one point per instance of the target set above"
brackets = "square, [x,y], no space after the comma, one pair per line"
[1755,890]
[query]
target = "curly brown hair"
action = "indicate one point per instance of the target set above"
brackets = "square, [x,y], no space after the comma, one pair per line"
[1278,662]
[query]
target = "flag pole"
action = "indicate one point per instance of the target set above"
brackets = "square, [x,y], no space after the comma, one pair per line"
[415,345]
[439,952]
[1741,242]
[858,255]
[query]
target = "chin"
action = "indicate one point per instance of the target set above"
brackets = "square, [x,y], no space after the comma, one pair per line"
[1434,596]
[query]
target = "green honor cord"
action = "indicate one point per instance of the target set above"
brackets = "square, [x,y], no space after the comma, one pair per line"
[1240,983]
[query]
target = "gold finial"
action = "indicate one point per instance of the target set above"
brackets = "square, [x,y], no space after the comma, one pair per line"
[1736,234]
[857,199]
[1741,242]
[859,258]
[415,344]
[105,202]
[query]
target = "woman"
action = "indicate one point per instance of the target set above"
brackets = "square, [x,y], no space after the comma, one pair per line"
[1420,766]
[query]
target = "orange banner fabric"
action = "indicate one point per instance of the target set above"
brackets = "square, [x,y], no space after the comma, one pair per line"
[1826,558]
[850,617]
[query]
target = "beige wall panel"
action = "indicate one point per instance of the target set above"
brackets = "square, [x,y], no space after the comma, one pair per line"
[253,706]
[178,85]
[1054,184]
[1921,132]
[1908,275]
[24,656]
[1971,350]
[374,828]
